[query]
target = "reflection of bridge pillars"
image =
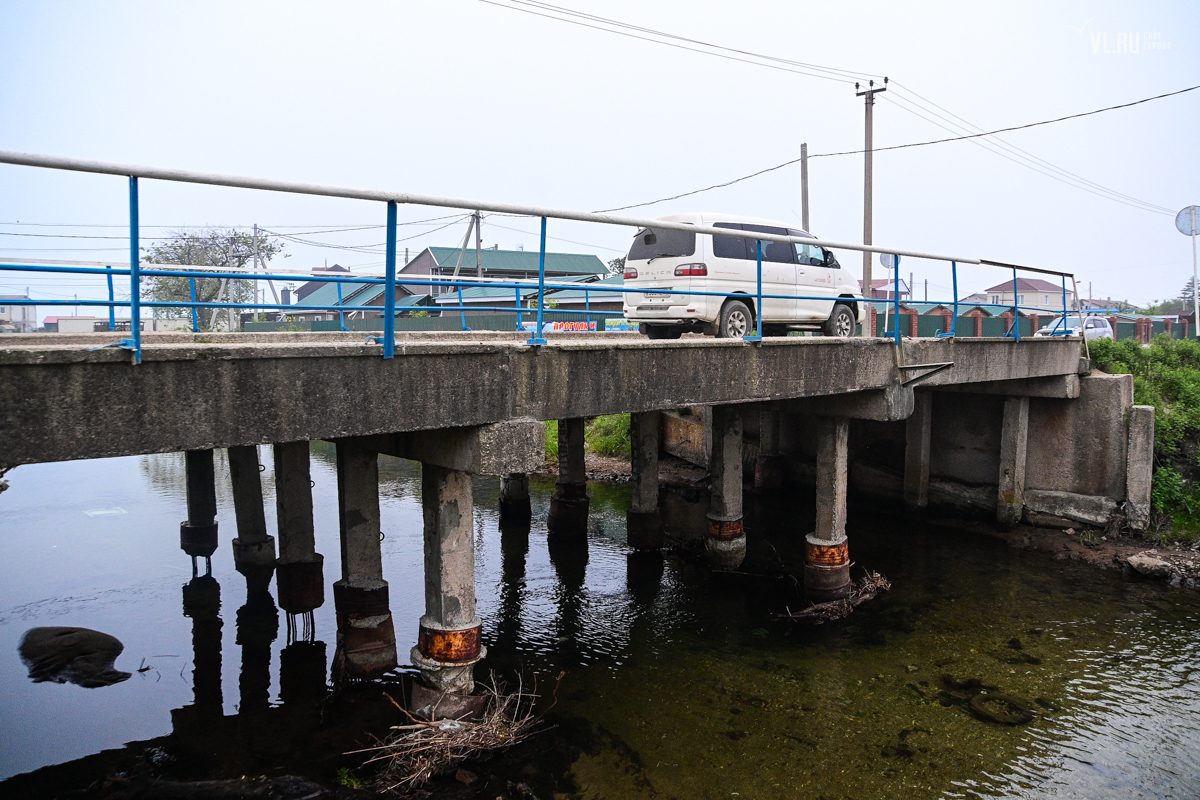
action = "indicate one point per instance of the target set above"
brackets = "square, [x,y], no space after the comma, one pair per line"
[299,572]
[202,603]
[257,627]
[827,561]
[726,540]
[366,638]
[515,508]
[569,506]
[769,466]
[514,549]
[253,549]
[643,523]
[198,533]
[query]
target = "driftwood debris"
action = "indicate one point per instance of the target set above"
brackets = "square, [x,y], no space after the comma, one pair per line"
[418,751]
[866,589]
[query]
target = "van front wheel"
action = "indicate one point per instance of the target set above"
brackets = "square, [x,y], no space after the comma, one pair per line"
[735,320]
[841,321]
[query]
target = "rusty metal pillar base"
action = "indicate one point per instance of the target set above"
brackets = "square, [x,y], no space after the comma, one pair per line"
[725,543]
[515,509]
[301,584]
[826,569]
[769,472]
[447,657]
[366,637]
[644,530]
[568,514]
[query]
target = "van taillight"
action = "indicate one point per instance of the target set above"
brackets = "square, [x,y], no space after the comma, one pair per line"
[630,273]
[691,269]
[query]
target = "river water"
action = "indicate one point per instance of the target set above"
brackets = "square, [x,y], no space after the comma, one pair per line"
[677,681]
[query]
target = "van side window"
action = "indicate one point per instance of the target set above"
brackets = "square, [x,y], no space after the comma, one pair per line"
[728,247]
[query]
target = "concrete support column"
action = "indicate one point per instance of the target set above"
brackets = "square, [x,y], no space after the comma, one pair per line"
[643,523]
[299,572]
[198,533]
[917,430]
[253,549]
[515,510]
[1014,435]
[1139,466]
[569,506]
[769,466]
[366,637]
[827,557]
[726,539]
[448,644]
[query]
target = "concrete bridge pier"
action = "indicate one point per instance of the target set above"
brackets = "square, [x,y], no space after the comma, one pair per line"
[643,522]
[569,506]
[770,465]
[725,542]
[366,639]
[198,533]
[1014,438]
[515,510]
[253,549]
[827,559]
[299,572]
[917,439]
[448,641]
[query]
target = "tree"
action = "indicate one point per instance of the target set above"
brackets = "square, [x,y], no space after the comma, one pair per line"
[209,247]
[617,266]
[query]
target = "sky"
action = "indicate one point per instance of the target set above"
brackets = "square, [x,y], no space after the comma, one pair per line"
[484,100]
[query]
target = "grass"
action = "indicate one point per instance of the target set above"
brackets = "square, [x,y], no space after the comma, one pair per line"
[1166,375]
[605,435]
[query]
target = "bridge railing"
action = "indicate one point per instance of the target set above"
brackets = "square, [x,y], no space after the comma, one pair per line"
[136,273]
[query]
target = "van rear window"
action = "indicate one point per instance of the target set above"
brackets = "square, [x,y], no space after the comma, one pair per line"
[657,242]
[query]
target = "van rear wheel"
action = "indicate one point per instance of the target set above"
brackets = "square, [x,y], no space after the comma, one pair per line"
[735,320]
[841,322]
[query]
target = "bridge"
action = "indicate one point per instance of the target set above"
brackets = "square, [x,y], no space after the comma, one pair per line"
[1018,429]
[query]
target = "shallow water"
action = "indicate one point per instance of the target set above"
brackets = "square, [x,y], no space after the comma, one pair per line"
[678,683]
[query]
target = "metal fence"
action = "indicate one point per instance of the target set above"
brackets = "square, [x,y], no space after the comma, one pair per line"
[135,273]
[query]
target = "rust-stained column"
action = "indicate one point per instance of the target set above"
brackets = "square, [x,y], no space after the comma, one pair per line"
[827,559]
[569,506]
[366,637]
[643,523]
[917,430]
[448,644]
[198,533]
[726,539]
[769,466]
[515,509]
[253,549]
[299,572]
[1014,434]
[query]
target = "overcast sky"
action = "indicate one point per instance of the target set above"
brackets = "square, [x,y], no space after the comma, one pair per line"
[478,100]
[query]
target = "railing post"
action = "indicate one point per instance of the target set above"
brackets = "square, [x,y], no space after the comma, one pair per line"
[517,292]
[135,274]
[538,337]
[1064,316]
[389,300]
[1016,326]
[195,314]
[462,310]
[341,314]
[112,310]
[757,337]
[896,298]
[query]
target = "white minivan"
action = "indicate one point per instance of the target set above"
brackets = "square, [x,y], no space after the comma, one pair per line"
[812,291]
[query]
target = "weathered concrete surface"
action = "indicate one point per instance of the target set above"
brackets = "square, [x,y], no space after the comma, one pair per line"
[966,438]
[202,391]
[1069,506]
[917,431]
[889,404]
[1014,439]
[725,543]
[1139,466]
[502,448]
[1059,386]
[1080,445]
[685,436]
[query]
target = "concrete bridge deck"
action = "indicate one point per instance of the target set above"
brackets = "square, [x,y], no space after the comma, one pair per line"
[60,399]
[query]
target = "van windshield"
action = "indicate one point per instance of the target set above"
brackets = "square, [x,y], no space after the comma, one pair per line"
[657,243]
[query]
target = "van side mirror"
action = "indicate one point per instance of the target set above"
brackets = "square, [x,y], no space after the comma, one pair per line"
[830,261]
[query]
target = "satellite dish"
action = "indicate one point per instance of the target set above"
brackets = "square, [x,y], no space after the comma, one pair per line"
[889,260]
[1188,221]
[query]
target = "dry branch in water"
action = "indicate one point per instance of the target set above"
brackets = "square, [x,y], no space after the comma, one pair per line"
[866,589]
[417,752]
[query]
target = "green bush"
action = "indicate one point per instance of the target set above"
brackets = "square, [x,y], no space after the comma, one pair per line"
[608,435]
[551,441]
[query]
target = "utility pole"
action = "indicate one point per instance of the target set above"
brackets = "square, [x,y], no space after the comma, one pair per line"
[868,147]
[804,186]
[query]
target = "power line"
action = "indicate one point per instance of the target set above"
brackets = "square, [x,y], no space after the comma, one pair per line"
[902,147]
